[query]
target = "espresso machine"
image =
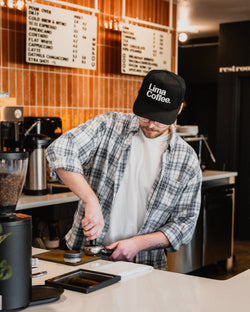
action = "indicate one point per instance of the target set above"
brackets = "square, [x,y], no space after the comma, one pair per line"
[11,118]
[14,138]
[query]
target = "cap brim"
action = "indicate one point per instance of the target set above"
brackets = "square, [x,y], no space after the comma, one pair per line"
[153,113]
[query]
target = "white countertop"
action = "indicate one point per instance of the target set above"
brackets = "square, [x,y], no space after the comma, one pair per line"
[151,291]
[28,201]
[209,175]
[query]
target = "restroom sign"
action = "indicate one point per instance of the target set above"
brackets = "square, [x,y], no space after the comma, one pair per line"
[60,37]
[144,49]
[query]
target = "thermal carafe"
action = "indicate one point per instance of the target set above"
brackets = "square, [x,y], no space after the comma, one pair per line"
[36,180]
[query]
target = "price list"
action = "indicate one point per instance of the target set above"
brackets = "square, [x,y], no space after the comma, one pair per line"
[144,49]
[60,37]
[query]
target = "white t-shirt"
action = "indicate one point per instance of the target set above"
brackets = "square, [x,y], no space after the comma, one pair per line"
[129,209]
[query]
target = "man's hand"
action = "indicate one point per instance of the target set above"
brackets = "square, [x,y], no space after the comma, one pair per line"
[125,250]
[93,222]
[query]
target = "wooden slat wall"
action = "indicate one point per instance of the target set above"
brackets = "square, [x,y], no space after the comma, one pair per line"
[76,95]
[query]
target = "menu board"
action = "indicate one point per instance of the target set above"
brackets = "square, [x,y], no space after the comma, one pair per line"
[60,37]
[144,49]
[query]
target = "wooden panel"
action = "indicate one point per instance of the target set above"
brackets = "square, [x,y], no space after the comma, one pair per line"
[75,94]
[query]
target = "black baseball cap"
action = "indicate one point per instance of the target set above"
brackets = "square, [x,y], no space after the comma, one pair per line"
[160,96]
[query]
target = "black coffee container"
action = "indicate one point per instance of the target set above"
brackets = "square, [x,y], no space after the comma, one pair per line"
[15,252]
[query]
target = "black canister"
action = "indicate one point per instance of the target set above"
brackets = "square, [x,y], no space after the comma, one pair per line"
[36,179]
[15,256]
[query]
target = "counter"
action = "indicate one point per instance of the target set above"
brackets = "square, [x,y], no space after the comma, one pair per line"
[189,257]
[213,238]
[28,202]
[151,291]
[212,175]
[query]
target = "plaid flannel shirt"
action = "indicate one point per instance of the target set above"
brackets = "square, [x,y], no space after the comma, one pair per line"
[99,150]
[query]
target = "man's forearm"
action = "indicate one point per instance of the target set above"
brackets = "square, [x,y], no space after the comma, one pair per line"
[151,241]
[77,183]
[92,222]
[126,249]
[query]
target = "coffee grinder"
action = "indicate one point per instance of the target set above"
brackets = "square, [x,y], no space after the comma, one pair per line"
[15,229]
[15,234]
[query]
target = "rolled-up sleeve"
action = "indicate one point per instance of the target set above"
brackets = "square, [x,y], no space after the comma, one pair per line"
[63,153]
[180,227]
[74,148]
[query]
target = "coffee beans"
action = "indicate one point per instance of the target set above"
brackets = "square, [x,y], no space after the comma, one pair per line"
[10,188]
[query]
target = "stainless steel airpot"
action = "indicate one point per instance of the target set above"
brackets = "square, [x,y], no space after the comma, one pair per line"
[35,144]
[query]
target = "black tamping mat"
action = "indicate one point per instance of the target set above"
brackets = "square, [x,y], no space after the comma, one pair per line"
[84,281]
[41,294]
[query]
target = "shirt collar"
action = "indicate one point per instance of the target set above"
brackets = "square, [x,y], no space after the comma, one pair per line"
[172,141]
[134,126]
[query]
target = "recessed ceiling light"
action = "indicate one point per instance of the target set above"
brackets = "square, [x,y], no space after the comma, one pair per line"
[183,37]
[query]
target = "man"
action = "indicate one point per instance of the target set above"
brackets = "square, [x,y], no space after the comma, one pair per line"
[138,181]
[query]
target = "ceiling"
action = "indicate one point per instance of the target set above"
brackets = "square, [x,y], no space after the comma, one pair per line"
[201,18]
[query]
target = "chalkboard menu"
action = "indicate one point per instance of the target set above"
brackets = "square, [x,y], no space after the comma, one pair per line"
[144,49]
[60,37]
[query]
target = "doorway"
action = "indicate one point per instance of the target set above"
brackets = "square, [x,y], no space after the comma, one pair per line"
[242,213]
